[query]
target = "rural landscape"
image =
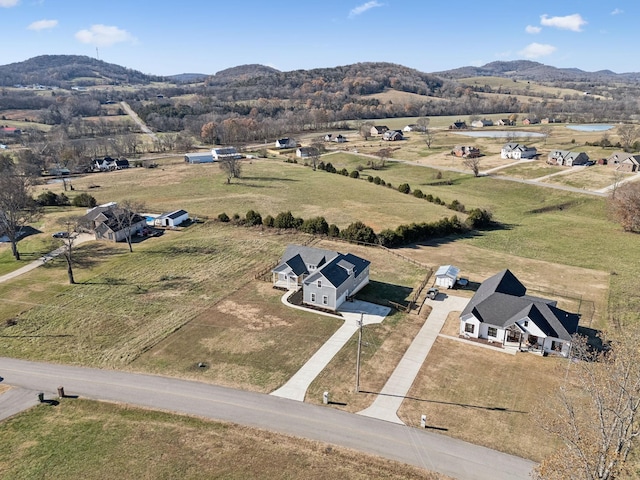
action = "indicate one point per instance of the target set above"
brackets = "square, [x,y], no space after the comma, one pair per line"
[513,166]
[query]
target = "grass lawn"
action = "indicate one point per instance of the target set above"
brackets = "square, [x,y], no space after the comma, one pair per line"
[92,440]
[529,170]
[590,178]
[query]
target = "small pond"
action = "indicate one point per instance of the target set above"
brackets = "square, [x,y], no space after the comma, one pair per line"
[590,128]
[500,134]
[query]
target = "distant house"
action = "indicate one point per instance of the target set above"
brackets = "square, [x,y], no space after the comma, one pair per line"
[567,158]
[503,313]
[328,137]
[624,162]
[225,152]
[327,278]
[108,164]
[379,129]
[518,151]
[110,222]
[171,219]
[199,157]
[505,122]
[10,131]
[340,139]
[530,121]
[459,125]
[286,143]
[446,276]
[485,122]
[392,136]
[307,152]
[465,151]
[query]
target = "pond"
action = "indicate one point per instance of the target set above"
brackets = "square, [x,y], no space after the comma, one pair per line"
[590,128]
[500,134]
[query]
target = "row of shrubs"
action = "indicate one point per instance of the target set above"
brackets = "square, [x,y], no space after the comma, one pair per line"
[358,232]
[455,205]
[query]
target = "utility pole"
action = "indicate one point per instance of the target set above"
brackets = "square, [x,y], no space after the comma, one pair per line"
[358,356]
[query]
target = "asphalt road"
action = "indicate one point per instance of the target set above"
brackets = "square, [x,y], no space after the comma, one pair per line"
[397,442]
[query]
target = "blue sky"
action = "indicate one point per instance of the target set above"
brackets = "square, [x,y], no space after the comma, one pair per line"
[205,36]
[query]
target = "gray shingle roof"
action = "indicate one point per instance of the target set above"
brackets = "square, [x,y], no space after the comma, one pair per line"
[501,301]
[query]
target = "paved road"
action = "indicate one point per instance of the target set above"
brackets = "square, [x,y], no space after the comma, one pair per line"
[80,239]
[409,445]
[395,390]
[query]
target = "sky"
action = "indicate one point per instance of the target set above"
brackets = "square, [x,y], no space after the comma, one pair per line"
[163,37]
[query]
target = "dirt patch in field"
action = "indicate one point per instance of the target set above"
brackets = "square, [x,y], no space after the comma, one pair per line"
[252,316]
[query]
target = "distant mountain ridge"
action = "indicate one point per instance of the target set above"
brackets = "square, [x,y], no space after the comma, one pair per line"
[77,70]
[68,70]
[529,70]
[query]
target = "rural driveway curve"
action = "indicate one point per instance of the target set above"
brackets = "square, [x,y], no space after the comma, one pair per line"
[422,448]
[80,239]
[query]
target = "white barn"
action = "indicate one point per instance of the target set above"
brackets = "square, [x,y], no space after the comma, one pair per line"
[172,219]
[446,276]
[199,157]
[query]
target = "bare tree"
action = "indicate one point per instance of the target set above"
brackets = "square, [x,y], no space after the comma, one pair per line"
[383,154]
[625,205]
[127,216]
[628,135]
[546,131]
[232,167]
[423,124]
[429,136]
[68,241]
[365,130]
[17,206]
[317,148]
[472,163]
[595,412]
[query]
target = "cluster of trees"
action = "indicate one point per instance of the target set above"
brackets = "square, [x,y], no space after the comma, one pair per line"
[625,206]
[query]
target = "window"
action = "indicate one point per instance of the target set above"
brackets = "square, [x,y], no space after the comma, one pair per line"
[492,332]
[325,300]
[313,297]
[469,327]
[526,323]
[319,283]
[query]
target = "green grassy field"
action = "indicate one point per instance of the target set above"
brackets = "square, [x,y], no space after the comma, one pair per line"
[190,295]
[91,440]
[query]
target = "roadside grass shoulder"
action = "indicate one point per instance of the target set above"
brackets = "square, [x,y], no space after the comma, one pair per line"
[105,440]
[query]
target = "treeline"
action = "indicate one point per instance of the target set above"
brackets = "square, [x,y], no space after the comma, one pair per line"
[358,232]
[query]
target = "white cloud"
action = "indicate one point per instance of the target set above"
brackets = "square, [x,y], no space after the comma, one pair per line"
[9,3]
[537,50]
[104,35]
[532,29]
[573,22]
[617,11]
[360,9]
[43,25]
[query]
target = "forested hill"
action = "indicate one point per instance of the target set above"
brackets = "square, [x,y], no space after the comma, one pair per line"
[538,72]
[356,79]
[69,70]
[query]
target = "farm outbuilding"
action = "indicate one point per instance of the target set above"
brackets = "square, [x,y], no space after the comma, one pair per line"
[199,157]
[172,219]
[446,276]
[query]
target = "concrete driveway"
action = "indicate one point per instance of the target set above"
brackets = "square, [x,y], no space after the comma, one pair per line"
[297,386]
[395,390]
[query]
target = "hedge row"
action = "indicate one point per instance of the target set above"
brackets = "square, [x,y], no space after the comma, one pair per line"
[358,232]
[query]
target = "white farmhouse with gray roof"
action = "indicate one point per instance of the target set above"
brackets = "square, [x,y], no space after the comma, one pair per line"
[517,151]
[326,277]
[502,312]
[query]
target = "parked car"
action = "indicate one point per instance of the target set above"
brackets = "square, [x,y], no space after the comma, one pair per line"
[61,235]
[432,293]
